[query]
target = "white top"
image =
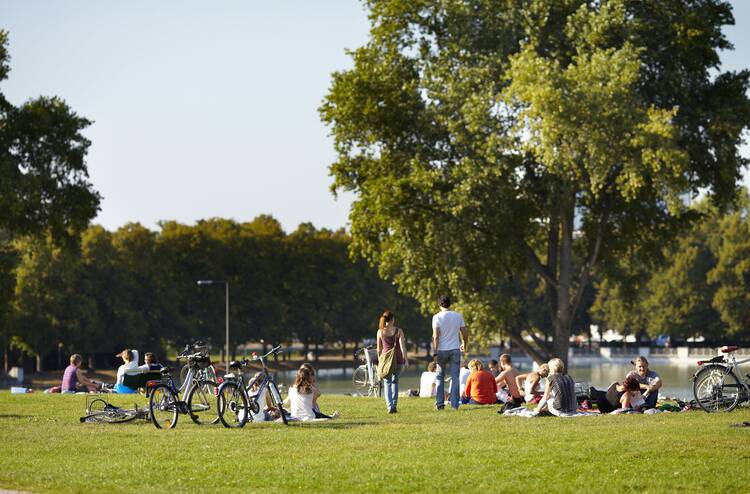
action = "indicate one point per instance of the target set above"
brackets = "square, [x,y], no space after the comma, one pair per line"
[261,400]
[128,366]
[463,376]
[427,384]
[450,324]
[300,404]
[528,391]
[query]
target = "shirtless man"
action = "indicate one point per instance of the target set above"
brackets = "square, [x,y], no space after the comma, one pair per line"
[507,378]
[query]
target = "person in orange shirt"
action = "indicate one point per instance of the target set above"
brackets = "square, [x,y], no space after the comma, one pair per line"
[480,387]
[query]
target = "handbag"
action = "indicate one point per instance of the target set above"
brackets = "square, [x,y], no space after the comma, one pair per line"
[387,363]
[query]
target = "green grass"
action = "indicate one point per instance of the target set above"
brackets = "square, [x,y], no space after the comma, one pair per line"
[44,448]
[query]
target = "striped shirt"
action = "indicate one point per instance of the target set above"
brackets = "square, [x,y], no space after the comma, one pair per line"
[563,390]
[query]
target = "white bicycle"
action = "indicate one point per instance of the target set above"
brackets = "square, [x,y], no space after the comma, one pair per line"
[365,377]
[716,386]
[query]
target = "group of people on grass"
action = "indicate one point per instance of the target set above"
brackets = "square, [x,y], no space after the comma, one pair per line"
[502,383]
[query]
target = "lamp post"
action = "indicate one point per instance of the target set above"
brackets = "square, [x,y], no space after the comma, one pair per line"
[226,284]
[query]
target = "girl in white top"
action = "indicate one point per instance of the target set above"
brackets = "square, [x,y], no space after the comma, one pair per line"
[130,359]
[302,395]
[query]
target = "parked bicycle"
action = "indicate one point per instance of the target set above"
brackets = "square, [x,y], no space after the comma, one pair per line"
[716,386]
[365,377]
[239,400]
[196,397]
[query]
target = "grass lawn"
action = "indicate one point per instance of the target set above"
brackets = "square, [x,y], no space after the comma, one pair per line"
[44,448]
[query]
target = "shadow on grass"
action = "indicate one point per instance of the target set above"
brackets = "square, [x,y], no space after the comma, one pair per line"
[13,416]
[330,424]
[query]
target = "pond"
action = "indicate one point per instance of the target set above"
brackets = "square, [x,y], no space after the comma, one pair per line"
[677,378]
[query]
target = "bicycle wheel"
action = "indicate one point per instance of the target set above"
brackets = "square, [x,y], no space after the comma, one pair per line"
[232,405]
[359,377]
[110,416]
[276,395]
[716,389]
[201,402]
[376,389]
[97,405]
[163,408]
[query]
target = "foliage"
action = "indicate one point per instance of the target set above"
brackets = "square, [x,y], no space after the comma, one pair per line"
[479,136]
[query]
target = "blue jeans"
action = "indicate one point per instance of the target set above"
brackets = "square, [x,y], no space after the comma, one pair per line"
[390,389]
[449,360]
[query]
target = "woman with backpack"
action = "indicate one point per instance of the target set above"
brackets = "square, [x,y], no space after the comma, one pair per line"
[392,358]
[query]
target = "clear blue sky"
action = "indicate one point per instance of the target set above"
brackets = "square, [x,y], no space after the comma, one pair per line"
[204,109]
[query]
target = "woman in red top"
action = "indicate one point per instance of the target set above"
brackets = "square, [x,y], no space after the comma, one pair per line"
[481,387]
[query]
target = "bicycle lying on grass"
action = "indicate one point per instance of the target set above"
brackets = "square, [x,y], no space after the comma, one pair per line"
[198,394]
[365,377]
[99,410]
[716,386]
[237,400]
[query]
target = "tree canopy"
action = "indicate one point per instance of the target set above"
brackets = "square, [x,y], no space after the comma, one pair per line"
[507,152]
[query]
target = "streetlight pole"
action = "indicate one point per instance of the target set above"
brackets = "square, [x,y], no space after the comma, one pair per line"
[226,285]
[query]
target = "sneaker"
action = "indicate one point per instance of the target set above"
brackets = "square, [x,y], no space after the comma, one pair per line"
[439,407]
[392,410]
[335,414]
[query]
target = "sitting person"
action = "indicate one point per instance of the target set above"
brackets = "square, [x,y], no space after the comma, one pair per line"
[74,380]
[507,379]
[559,397]
[531,383]
[316,407]
[648,380]
[303,395]
[631,397]
[129,366]
[480,387]
[494,368]
[428,381]
[267,410]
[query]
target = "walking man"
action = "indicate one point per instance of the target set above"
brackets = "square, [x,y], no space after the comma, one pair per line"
[449,339]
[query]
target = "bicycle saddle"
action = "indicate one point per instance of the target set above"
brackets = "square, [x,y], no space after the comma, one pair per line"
[236,364]
[728,349]
[165,370]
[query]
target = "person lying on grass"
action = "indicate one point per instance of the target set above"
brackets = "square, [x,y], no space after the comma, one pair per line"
[481,388]
[631,398]
[531,383]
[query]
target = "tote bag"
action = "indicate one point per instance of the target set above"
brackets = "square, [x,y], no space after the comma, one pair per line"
[387,362]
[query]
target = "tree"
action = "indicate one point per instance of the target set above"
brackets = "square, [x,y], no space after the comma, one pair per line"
[503,152]
[44,183]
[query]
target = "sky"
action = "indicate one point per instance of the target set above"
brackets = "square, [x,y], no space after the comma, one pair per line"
[206,109]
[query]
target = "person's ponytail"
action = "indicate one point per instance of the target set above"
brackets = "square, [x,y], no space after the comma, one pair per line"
[385,319]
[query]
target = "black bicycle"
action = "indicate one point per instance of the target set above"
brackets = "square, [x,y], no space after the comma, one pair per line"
[198,394]
[237,399]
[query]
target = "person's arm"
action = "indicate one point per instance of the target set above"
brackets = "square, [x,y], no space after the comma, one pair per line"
[136,356]
[464,338]
[520,378]
[379,342]
[625,400]
[655,386]
[401,339]
[543,402]
[500,379]
[435,339]
[81,376]
[494,385]
[467,390]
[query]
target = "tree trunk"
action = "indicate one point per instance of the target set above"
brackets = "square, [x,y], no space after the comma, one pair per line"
[38,359]
[305,348]
[317,351]
[564,314]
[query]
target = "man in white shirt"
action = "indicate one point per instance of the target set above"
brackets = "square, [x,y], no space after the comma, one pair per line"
[449,339]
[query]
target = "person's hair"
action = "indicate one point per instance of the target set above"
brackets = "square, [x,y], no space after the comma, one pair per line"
[75,359]
[126,355]
[556,366]
[493,362]
[148,354]
[304,380]
[444,301]
[476,365]
[641,358]
[631,384]
[432,366]
[505,359]
[385,319]
[308,366]
[543,369]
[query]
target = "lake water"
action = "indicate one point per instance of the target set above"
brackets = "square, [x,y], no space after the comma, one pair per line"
[677,378]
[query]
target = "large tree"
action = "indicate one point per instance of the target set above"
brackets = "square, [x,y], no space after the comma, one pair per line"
[507,150]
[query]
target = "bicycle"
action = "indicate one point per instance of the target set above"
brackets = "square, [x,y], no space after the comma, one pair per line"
[206,372]
[366,375]
[235,401]
[100,411]
[198,395]
[715,383]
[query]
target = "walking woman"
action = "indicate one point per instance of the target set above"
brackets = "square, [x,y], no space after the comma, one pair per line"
[389,336]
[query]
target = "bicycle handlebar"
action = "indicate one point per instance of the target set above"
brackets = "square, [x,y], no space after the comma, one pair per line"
[273,350]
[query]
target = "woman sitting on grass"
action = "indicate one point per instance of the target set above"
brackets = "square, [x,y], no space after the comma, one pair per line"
[316,407]
[481,388]
[303,396]
[560,394]
[531,384]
